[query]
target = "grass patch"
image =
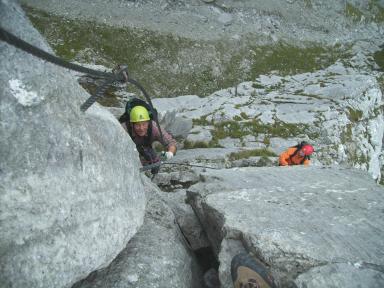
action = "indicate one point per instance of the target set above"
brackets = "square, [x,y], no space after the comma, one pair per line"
[380,80]
[251,153]
[244,115]
[290,60]
[346,135]
[356,158]
[255,127]
[377,10]
[193,145]
[354,115]
[378,56]
[202,121]
[257,85]
[353,12]
[168,65]
[225,129]
[200,144]
[307,3]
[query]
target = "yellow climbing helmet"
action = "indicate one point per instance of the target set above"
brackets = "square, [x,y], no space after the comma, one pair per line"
[138,114]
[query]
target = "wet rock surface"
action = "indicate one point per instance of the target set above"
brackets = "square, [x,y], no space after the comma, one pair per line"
[297,220]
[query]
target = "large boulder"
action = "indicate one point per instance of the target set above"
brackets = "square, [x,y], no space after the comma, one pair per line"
[314,226]
[69,198]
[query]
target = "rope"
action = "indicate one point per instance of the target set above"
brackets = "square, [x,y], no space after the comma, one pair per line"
[18,43]
[120,75]
[157,164]
[98,94]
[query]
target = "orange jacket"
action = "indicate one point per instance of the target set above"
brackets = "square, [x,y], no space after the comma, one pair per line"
[285,158]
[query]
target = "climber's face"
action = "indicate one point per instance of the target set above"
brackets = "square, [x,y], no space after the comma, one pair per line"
[141,128]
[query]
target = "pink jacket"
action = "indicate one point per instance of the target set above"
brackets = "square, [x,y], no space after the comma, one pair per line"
[155,136]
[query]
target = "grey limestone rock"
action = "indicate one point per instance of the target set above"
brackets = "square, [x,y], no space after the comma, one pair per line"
[187,219]
[177,126]
[156,256]
[352,275]
[69,198]
[337,109]
[297,220]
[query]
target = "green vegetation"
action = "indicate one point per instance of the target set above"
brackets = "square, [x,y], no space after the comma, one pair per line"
[353,12]
[251,153]
[192,145]
[202,121]
[346,135]
[231,129]
[257,85]
[380,80]
[238,130]
[354,115]
[307,3]
[373,12]
[378,56]
[267,141]
[200,144]
[288,59]
[244,115]
[255,127]
[357,158]
[168,65]
[377,10]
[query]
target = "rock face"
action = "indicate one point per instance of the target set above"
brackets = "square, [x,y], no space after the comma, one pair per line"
[155,257]
[69,198]
[338,109]
[315,227]
[187,220]
[330,22]
[193,47]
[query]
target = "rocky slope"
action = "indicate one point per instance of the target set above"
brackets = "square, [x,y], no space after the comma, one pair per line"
[258,77]
[314,227]
[71,195]
[338,109]
[192,47]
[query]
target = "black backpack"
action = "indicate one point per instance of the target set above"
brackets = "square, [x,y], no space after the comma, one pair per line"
[298,148]
[152,115]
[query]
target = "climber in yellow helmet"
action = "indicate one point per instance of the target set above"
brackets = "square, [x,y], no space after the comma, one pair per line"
[144,132]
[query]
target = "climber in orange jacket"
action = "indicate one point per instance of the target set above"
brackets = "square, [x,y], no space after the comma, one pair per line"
[296,155]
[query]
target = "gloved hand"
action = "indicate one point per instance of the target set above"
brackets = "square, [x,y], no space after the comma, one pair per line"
[167,155]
